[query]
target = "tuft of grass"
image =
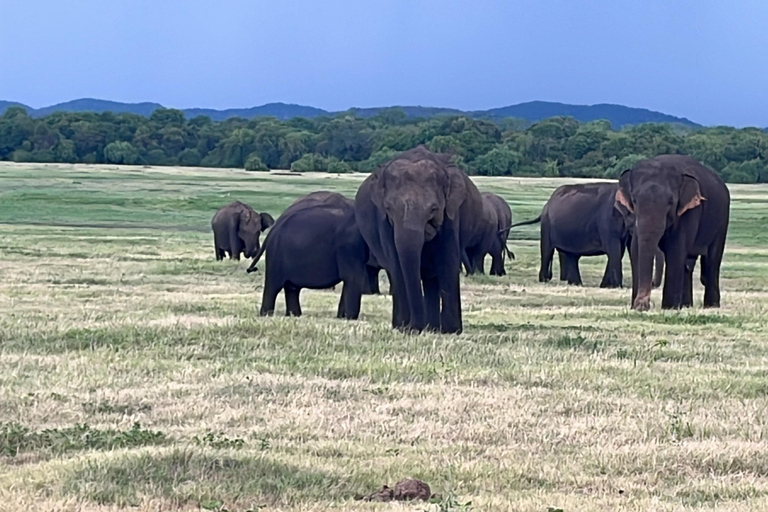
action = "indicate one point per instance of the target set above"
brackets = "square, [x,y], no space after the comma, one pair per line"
[16,439]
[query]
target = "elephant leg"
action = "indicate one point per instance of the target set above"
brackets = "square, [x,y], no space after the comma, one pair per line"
[570,262]
[372,276]
[687,301]
[710,273]
[450,288]
[269,296]
[633,266]
[674,278]
[432,303]
[497,263]
[480,265]
[292,306]
[614,276]
[465,260]
[547,253]
[349,304]
[563,265]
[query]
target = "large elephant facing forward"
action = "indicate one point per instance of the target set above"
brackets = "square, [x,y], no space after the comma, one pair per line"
[682,207]
[236,229]
[417,213]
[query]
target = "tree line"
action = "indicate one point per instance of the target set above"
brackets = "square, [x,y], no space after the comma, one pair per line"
[558,146]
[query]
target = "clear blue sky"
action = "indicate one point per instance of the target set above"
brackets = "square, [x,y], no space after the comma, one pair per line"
[702,59]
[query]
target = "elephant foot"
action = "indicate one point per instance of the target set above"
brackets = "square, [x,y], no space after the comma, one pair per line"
[642,303]
[611,284]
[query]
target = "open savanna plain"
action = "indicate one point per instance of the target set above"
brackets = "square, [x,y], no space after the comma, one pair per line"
[135,371]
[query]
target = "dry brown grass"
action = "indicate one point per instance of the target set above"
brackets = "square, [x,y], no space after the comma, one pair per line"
[555,396]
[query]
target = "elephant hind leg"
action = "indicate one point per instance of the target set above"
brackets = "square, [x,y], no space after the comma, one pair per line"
[710,273]
[269,296]
[547,254]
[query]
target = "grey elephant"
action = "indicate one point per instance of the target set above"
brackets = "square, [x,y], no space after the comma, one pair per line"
[316,244]
[583,220]
[236,230]
[418,213]
[497,221]
[681,207]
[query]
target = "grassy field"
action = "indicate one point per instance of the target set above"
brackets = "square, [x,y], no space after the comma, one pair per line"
[135,372]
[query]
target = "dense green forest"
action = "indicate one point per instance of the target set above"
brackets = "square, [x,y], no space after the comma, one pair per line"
[557,146]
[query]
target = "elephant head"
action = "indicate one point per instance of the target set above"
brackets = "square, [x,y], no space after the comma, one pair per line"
[416,194]
[652,199]
[249,227]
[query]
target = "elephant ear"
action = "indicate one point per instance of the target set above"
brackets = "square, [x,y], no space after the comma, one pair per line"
[623,196]
[456,192]
[690,194]
[266,220]
[377,190]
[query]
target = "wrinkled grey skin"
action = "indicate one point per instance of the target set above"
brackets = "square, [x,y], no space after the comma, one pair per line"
[236,229]
[681,207]
[497,220]
[315,244]
[418,213]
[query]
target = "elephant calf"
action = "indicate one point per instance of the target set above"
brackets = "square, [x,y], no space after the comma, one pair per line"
[491,237]
[316,244]
[236,229]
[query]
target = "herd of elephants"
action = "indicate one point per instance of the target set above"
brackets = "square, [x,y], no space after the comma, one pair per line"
[420,218]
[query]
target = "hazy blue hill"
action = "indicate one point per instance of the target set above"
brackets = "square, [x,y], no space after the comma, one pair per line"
[533,111]
[618,115]
[5,105]
[409,111]
[279,110]
[94,105]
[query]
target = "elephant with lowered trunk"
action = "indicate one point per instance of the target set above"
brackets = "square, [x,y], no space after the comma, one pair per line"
[418,213]
[236,229]
[681,207]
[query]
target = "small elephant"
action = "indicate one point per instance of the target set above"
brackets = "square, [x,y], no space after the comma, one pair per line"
[497,220]
[681,207]
[581,220]
[236,229]
[418,213]
[315,244]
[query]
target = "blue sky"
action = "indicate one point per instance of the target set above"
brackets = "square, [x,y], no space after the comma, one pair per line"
[706,60]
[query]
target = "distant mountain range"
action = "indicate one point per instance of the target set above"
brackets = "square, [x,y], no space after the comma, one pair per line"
[618,115]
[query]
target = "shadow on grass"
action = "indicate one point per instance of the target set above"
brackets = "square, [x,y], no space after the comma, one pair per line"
[185,476]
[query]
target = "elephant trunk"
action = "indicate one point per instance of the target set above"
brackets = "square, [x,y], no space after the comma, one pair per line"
[647,243]
[409,243]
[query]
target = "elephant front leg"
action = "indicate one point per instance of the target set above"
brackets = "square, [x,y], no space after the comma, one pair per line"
[675,279]
[432,303]
[349,303]
[292,305]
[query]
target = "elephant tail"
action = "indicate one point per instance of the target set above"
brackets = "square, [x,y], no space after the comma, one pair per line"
[526,222]
[259,254]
